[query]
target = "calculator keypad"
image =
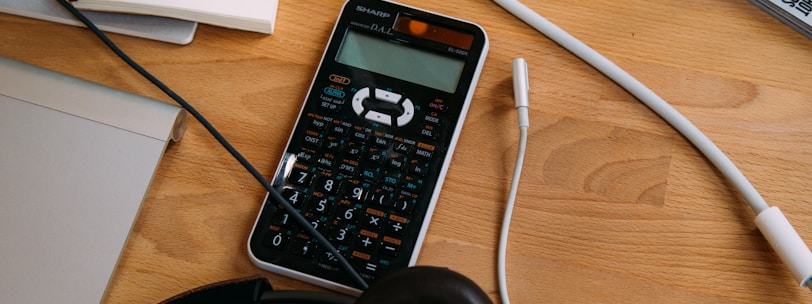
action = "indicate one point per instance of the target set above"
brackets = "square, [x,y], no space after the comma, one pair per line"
[365,183]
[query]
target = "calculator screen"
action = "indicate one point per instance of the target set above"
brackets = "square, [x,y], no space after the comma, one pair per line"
[402,62]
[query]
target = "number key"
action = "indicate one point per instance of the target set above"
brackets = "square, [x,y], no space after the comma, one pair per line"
[294,197]
[277,240]
[300,175]
[321,204]
[356,190]
[341,235]
[347,213]
[327,183]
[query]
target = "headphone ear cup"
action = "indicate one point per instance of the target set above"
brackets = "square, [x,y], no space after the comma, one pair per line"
[424,284]
[242,290]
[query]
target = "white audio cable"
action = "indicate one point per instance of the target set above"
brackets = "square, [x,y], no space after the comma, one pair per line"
[521,95]
[773,224]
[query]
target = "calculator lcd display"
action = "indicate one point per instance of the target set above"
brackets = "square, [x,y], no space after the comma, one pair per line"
[401,62]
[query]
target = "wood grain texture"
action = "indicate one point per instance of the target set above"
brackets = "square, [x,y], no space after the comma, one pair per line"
[614,205]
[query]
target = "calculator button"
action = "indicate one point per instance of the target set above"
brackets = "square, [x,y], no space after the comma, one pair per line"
[366,240]
[327,161]
[348,167]
[334,144]
[313,139]
[423,153]
[380,198]
[429,131]
[340,235]
[358,100]
[432,119]
[370,174]
[321,204]
[282,219]
[374,219]
[340,130]
[304,248]
[392,180]
[327,183]
[276,240]
[418,168]
[387,96]
[412,184]
[402,148]
[381,142]
[360,136]
[370,269]
[328,258]
[408,113]
[318,124]
[355,190]
[390,246]
[438,106]
[306,155]
[376,156]
[397,224]
[396,162]
[355,150]
[363,261]
[404,206]
[397,227]
[315,223]
[300,175]
[339,79]
[379,117]
[334,92]
[347,213]
[294,197]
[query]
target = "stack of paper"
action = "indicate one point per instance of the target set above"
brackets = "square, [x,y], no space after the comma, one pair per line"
[150,27]
[250,15]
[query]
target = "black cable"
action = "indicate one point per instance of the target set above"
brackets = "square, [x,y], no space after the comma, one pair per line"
[345,265]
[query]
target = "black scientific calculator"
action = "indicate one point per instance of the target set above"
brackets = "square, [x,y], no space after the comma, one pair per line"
[368,154]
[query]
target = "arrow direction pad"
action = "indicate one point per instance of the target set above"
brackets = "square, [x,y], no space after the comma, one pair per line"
[384,107]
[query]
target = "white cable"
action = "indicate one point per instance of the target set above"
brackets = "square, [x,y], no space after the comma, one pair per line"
[521,96]
[796,255]
[644,94]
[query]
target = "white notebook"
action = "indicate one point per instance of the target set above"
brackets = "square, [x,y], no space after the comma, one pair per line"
[150,27]
[250,15]
[76,159]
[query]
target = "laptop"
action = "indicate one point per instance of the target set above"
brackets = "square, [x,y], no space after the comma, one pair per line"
[76,160]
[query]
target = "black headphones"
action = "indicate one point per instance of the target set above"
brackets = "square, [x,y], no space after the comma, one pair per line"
[420,284]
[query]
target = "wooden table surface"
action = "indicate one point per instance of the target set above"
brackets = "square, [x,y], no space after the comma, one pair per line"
[614,204]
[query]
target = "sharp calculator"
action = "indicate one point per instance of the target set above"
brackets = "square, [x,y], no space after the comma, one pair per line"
[370,149]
